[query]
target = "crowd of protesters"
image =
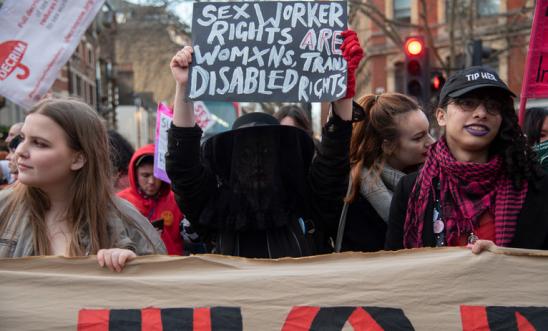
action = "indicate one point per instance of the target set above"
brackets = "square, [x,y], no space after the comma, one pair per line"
[267,189]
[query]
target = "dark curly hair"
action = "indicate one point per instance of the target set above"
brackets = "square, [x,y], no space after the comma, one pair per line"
[534,119]
[120,152]
[519,160]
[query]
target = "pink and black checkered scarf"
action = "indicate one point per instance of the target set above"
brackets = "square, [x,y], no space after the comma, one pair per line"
[467,190]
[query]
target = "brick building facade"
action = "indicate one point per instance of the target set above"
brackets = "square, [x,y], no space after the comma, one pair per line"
[502,25]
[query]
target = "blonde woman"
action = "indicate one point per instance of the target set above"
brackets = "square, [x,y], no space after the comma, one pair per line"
[64,203]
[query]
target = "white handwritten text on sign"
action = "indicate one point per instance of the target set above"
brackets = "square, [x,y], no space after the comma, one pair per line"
[268,51]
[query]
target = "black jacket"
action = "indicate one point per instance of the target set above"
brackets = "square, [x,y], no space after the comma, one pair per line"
[194,184]
[532,224]
[365,230]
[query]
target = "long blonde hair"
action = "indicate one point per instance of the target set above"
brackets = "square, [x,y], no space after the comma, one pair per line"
[369,135]
[92,198]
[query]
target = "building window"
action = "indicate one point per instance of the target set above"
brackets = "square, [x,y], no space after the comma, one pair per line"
[90,55]
[91,95]
[487,7]
[402,10]
[399,77]
[462,9]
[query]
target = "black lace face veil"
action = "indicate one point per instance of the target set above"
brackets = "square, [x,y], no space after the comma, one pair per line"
[261,174]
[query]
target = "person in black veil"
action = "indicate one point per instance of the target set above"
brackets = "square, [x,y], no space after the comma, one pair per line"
[256,191]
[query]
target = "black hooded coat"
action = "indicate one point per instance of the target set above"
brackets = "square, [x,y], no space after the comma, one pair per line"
[259,191]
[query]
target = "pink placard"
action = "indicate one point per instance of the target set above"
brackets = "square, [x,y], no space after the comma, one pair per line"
[164,117]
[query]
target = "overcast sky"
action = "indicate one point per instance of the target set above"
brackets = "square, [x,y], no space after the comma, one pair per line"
[184,10]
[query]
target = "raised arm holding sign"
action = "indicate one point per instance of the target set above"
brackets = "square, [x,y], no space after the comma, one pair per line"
[255,190]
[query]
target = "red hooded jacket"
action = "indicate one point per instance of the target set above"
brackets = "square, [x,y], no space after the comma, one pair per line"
[161,206]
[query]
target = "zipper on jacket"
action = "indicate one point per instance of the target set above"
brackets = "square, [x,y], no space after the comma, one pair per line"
[268,246]
[298,244]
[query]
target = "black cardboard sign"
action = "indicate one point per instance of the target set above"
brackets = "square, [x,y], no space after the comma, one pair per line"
[268,51]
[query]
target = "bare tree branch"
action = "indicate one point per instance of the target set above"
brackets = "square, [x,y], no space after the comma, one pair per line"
[428,30]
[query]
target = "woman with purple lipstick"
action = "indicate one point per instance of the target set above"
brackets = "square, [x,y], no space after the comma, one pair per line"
[480,185]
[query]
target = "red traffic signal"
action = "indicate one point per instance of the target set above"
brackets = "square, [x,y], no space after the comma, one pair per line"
[417,69]
[414,46]
[437,81]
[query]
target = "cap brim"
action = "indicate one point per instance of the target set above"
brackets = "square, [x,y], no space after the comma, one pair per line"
[463,91]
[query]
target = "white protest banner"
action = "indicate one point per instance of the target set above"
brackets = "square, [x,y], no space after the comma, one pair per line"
[36,40]
[421,289]
[268,51]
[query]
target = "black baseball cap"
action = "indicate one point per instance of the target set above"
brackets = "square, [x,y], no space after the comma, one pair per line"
[471,79]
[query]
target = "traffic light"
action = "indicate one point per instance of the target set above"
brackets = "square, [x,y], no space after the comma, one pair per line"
[417,71]
[437,81]
[479,52]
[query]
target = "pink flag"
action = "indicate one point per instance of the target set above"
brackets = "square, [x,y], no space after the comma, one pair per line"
[535,80]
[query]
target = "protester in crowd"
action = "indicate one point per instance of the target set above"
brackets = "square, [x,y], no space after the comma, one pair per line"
[252,188]
[480,182]
[392,140]
[14,131]
[536,131]
[4,173]
[121,152]
[63,203]
[154,199]
[293,115]
[11,176]
[5,177]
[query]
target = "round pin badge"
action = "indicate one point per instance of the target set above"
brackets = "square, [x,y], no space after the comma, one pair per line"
[438,226]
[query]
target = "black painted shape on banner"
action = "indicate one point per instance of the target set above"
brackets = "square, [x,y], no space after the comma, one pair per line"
[504,318]
[542,70]
[390,318]
[331,318]
[177,319]
[124,320]
[268,51]
[334,318]
[226,318]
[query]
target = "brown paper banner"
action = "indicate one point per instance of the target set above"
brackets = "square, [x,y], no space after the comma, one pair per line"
[422,289]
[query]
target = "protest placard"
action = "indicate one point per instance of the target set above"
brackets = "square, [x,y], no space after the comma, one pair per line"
[164,117]
[36,40]
[268,51]
[212,117]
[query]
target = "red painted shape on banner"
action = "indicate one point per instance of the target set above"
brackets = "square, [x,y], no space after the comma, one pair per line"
[474,318]
[362,321]
[93,319]
[202,319]
[11,55]
[300,318]
[151,319]
[523,323]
